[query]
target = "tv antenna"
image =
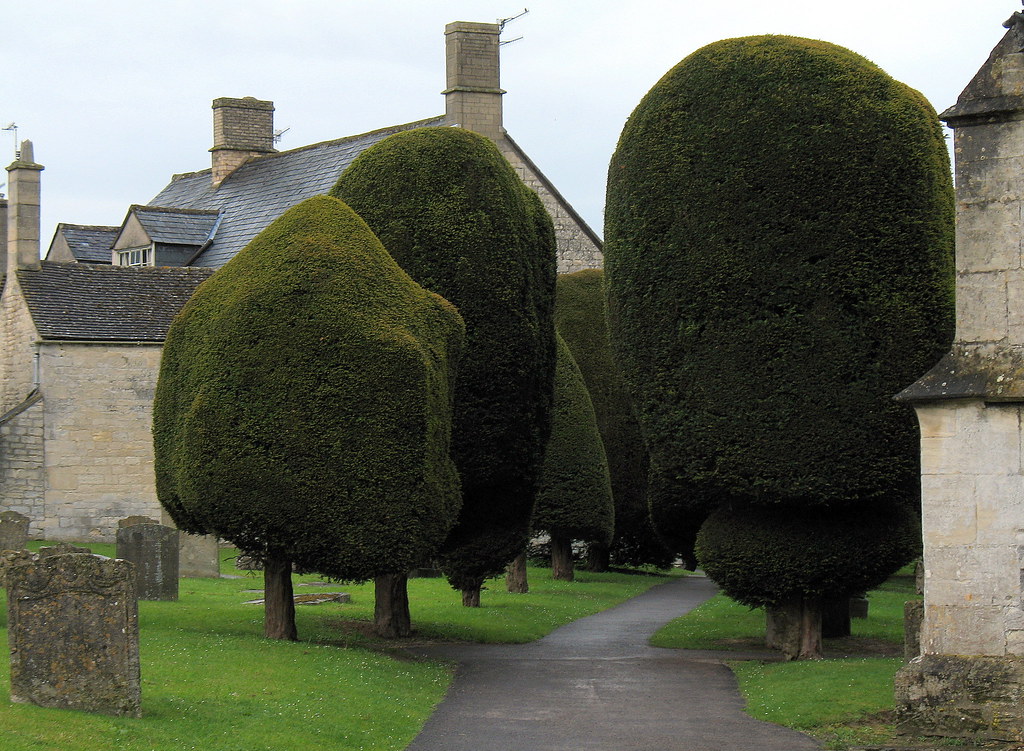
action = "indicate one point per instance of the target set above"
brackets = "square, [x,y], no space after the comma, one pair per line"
[14,128]
[278,134]
[503,21]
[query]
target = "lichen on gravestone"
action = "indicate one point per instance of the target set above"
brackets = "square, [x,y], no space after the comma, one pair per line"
[13,530]
[73,634]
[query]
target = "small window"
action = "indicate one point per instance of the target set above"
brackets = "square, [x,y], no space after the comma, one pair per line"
[135,257]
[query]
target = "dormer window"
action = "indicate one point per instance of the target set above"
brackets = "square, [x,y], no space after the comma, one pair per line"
[135,256]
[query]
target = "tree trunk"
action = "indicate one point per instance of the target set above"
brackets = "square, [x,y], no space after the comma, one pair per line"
[278,601]
[471,597]
[515,575]
[561,558]
[598,557]
[835,617]
[794,628]
[810,630]
[782,628]
[391,618]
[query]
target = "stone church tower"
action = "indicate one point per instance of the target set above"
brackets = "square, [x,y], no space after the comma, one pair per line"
[969,677]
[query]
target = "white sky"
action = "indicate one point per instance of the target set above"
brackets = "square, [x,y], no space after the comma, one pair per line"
[115,94]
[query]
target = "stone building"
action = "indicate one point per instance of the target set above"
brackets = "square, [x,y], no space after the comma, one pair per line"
[82,329]
[969,676]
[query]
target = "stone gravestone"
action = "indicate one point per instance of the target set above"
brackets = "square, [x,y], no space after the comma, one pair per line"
[74,634]
[13,530]
[153,550]
[199,555]
[131,521]
[61,548]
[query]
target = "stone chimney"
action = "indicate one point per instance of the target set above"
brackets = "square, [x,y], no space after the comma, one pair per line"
[23,211]
[242,129]
[473,93]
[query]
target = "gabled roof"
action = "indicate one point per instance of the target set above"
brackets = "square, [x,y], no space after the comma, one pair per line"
[261,190]
[107,303]
[176,226]
[88,243]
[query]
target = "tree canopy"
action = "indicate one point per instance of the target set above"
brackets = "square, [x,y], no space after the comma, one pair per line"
[453,213]
[303,408]
[779,263]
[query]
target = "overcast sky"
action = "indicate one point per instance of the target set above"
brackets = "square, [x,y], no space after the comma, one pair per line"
[115,95]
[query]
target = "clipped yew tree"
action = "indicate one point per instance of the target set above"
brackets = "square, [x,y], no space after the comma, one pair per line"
[303,409]
[453,213]
[581,322]
[575,498]
[779,233]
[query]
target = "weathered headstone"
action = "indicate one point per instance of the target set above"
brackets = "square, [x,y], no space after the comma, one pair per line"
[153,549]
[74,634]
[131,521]
[13,530]
[198,555]
[9,558]
[968,678]
[62,548]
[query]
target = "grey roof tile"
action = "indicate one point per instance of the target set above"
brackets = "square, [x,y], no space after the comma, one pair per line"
[90,302]
[89,243]
[261,190]
[176,226]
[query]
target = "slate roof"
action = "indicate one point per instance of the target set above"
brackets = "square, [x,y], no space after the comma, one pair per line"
[176,226]
[261,190]
[107,303]
[89,243]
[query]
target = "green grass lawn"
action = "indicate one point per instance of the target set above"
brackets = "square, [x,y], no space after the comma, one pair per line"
[843,700]
[211,681]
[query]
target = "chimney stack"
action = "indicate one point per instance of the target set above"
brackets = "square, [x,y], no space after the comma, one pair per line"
[473,93]
[23,183]
[242,129]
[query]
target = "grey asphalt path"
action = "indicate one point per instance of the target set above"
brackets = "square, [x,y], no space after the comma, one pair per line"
[595,685]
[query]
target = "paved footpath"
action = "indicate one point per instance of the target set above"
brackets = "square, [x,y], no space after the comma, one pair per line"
[596,685]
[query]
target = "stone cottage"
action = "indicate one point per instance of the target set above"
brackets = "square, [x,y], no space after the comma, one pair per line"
[82,330]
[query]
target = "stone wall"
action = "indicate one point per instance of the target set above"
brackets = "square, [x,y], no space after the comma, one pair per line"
[577,247]
[21,433]
[973,501]
[99,445]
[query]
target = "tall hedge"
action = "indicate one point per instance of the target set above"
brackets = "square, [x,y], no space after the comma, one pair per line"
[452,212]
[303,408]
[580,320]
[575,497]
[779,263]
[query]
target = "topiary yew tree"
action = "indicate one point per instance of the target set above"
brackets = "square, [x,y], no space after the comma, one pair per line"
[303,408]
[779,264]
[455,216]
[575,497]
[580,321]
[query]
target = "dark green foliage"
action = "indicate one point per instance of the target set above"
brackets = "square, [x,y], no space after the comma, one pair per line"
[779,234]
[575,497]
[821,553]
[580,320]
[452,212]
[304,402]
[779,263]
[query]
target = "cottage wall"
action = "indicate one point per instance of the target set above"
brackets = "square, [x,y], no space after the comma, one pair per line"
[21,431]
[576,247]
[98,428]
